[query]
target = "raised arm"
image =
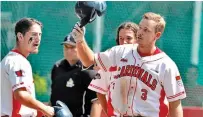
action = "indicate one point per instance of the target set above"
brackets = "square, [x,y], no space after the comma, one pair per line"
[85,54]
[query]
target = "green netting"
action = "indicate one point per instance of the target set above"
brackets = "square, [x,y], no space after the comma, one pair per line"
[58,19]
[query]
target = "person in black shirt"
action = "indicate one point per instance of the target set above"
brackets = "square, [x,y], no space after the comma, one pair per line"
[70,83]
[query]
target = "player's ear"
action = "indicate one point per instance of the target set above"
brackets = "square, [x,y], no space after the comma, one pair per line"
[158,35]
[19,36]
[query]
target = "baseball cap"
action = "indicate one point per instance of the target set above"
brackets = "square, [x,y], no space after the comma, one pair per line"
[69,40]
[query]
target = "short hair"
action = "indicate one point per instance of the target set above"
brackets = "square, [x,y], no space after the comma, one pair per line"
[127,25]
[158,19]
[24,24]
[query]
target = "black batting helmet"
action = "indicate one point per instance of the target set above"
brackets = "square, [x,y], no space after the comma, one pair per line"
[87,11]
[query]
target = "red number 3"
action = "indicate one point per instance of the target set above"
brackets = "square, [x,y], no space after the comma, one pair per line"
[144,94]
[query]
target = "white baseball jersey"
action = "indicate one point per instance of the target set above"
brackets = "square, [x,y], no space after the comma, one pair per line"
[140,85]
[16,72]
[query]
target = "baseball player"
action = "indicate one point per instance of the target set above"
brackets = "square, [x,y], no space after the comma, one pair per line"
[126,34]
[147,82]
[17,84]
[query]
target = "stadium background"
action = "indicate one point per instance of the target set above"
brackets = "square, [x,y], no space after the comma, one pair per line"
[58,18]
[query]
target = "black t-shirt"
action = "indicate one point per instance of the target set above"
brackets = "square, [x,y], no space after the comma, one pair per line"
[70,85]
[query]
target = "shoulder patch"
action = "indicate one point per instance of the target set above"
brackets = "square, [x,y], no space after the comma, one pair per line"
[19,73]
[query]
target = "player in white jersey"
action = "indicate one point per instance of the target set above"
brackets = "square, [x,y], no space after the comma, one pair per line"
[17,85]
[126,34]
[152,83]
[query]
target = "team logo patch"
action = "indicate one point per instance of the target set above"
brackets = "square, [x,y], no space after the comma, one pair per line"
[178,78]
[179,81]
[97,76]
[70,83]
[19,73]
[124,60]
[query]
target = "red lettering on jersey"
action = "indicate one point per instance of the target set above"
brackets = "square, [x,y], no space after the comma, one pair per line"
[122,71]
[144,77]
[135,69]
[127,70]
[131,70]
[19,73]
[154,83]
[113,68]
[148,80]
[140,72]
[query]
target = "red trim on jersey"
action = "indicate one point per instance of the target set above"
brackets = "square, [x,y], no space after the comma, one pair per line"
[176,95]
[157,51]
[101,63]
[110,110]
[16,51]
[163,108]
[17,85]
[99,88]
[16,108]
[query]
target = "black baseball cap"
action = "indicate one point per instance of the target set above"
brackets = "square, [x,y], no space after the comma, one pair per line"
[69,40]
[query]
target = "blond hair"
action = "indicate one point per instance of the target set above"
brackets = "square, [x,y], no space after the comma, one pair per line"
[156,18]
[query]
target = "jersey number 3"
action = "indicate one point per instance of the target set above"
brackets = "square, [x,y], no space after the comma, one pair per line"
[144,94]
